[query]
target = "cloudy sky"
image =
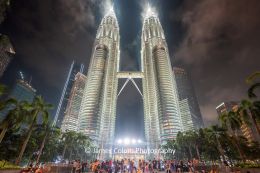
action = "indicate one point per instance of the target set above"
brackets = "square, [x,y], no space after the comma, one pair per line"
[217,41]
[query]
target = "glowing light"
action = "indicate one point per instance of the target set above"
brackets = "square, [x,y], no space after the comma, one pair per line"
[149,11]
[119,141]
[126,141]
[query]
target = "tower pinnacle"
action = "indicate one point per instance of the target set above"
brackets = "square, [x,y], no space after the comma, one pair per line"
[150,12]
[111,11]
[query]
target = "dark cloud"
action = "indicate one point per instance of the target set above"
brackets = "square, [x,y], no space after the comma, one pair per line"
[221,47]
[51,34]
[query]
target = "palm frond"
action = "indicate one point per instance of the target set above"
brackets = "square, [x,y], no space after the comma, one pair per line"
[251,90]
[250,79]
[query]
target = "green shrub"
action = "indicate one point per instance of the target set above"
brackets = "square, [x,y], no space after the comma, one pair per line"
[8,165]
[248,165]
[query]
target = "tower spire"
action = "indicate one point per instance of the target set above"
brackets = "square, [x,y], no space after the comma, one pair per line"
[111,11]
[150,11]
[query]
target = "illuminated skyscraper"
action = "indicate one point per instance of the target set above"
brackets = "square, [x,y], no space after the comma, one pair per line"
[189,107]
[98,110]
[60,112]
[162,115]
[70,120]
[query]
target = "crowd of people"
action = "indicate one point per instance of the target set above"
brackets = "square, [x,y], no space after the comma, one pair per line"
[134,166]
[124,166]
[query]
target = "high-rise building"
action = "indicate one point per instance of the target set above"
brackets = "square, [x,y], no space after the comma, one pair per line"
[21,91]
[70,120]
[98,110]
[189,107]
[6,53]
[162,114]
[245,130]
[60,112]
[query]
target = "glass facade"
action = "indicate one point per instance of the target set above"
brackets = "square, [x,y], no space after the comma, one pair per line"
[70,121]
[98,109]
[162,114]
[60,112]
[189,107]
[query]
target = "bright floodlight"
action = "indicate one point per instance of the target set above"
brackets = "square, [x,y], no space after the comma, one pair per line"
[133,141]
[119,141]
[126,141]
[139,141]
[150,11]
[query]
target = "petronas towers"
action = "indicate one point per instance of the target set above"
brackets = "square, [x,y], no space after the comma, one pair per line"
[97,115]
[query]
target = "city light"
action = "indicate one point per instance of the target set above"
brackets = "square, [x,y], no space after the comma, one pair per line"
[128,141]
[119,141]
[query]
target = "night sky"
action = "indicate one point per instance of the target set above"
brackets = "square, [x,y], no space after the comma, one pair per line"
[218,41]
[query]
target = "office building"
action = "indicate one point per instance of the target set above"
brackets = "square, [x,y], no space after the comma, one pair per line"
[70,120]
[189,107]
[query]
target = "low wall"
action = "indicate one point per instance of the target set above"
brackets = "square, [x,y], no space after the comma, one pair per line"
[10,171]
[57,169]
[245,170]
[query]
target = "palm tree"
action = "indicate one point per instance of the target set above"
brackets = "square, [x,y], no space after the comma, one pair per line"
[82,141]
[14,117]
[250,110]
[214,133]
[183,144]
[68,138]
[232,121]
[39,108]
[195,139]
[171,144]
[188,138]
[254,86]
[48,130]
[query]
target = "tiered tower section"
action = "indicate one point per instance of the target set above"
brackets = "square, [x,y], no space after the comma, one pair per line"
[162,114]
[98,109]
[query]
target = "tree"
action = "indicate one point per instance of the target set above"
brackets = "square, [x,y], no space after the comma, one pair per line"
[171,144]
[68,139]
[213,135]
[82,141]
[48,131]
[232,121]
[39,109]
[194,139]
[250,110]
[52,146]
[250,80]
[183,146]
[14,117]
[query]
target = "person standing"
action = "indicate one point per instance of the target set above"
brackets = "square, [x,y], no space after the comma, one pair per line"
[74,166]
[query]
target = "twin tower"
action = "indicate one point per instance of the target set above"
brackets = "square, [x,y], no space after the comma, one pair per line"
[97,115]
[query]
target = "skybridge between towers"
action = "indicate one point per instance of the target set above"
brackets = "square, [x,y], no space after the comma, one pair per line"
[130,76]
